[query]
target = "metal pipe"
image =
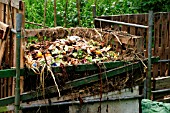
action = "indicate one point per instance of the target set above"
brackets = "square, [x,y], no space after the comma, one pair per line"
[161,91]
[165,60]
[122,23]
[18,42]
[78,102]
[148,77]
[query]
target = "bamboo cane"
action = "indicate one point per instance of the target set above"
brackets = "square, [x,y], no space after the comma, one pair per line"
[45,10]
[55,14]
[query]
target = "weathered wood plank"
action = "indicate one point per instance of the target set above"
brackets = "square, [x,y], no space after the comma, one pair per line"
[124,18]
[132,19]
[2,50]
[168,73]
[160,94]
[76,83]
[14,10]
[14,3]
[89,67]
[1,6]
[5,28]
[162,83]
[146,35]
[116,95]
[163,39]
[115,26]
[22,11]
[156,42]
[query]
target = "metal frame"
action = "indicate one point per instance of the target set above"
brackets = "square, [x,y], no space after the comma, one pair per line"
[18,46]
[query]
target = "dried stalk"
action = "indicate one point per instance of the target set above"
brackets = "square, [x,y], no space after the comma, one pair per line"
[49,69]
[141,61]
[42,79]
[98,34]
[117,39]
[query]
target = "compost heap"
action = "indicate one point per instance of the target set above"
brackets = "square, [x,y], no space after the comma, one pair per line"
[71,47]
[72,50]
[76,48]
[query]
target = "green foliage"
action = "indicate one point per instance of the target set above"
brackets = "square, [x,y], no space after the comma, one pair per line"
[35,10]
[155,5]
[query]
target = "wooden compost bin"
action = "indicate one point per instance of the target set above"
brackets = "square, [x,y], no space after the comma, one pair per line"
[8,13]
[86,80]
[161,35]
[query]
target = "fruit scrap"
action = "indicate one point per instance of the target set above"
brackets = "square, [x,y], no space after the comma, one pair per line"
[72,50]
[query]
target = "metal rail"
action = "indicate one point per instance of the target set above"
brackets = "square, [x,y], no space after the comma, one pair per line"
[18,44]
[165,60]
[122,23]
[161,91]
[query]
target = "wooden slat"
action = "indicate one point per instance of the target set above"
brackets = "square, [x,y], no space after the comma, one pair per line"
[22,48]
[1,11]
[132,19]
[156,42]
[1,88]
[169,34]
[14,10]
[2,50]
[5,29]
[162,83]
[1,80]
[146,35]
[168,45]
[14,3]
[163,39]
[124,18]
[116,26]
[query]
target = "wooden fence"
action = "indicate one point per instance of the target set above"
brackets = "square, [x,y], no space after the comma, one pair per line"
[8,11]
[161,35]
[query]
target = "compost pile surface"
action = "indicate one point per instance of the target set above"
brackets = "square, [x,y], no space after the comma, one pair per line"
[73,47]
[72,50]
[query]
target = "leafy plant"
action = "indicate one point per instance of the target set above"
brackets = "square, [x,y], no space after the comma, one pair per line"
[35,10]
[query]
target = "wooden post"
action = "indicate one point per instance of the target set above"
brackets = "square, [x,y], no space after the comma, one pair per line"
[148,78]
[78,10]
[55,14]
[65,14]
[45,9]
[94,11]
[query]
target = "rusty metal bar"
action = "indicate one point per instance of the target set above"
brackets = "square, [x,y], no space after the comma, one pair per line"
[122,23]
